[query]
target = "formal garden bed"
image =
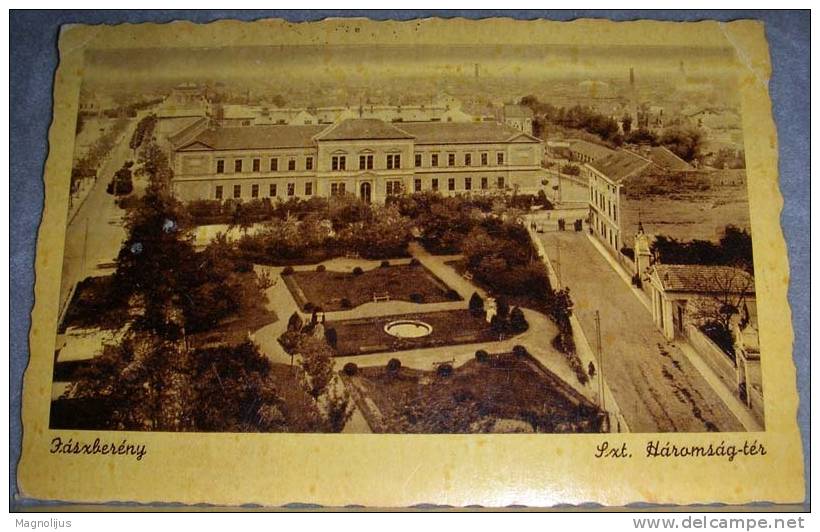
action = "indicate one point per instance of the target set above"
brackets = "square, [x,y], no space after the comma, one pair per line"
[335,290]
[450,327]
[507,392]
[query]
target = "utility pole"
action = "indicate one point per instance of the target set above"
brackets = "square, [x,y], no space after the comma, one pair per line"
[85,247]
[558,261]
[600,356]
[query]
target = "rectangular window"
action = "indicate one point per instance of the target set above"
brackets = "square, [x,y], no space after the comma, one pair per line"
[334,163]
[220,166]
[417,185]
[468,159]
[274,164]
[468,183]
[484,183]
[337,189]
[308,189]
[237,166]
[342,162]
[291,189]
[393,162]
[308,163]
[434,184]
[237,191]
[451,159]
[434,160]
[365,162]
[418,160]
[254,191]
[500,181]
[256,165]
[291,165]
[451,184]
[272,191]
[499,157]
[218,192]
[484,159]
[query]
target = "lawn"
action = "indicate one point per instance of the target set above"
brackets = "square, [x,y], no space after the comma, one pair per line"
[334,290]
[530,301]
[505,394]
[450,327]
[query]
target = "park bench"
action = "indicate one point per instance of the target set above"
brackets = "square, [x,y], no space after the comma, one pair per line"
[468,276]
[383,297]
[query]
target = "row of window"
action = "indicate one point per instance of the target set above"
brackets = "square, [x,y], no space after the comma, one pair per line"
[483,184]
[484,157]
[603,203]
[606,232]
[256,165]
[393,187]
[339,162]
[219,191]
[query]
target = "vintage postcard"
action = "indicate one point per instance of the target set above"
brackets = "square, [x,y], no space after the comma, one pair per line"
[452,262]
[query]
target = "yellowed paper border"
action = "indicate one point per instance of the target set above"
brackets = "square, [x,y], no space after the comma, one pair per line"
[403,470]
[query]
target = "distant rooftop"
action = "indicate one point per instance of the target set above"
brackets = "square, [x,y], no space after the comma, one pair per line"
[517,111]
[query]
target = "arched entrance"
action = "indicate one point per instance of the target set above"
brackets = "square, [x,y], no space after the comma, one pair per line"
[364,192]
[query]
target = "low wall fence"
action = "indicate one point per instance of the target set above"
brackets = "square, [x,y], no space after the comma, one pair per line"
[714,356]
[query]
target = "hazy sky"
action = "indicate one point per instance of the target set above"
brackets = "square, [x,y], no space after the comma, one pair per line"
[351,62]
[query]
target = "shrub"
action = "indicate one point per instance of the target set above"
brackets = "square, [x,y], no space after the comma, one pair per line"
[393,366]
[415,262]
[520,351]
[628,252]
[295,322]
[357,271]
[288,270]
[350,369]
[482,356]
[636,280]
[331,337]
[308,307]
[444,370]
[518,323]
[320,268]
[502,308]
[452,295]
[345,303]
[415,297]
[476,304]
[384,264]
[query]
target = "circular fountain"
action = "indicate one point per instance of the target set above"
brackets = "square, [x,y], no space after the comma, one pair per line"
[408,329]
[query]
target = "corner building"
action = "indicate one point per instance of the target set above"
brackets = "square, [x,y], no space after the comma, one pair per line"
[369,158]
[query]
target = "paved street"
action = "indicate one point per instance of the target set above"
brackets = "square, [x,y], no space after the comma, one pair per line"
[95,233]
[655,385]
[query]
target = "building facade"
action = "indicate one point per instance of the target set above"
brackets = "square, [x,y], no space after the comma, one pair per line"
[369,158]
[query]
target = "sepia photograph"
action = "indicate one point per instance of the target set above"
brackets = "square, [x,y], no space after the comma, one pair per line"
[436,261]
[408,239]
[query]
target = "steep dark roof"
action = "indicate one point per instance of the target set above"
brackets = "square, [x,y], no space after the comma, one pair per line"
[462,132]
[704,278]
[620,164]
[590,149]
[664,158]
[258,137]
[362,128]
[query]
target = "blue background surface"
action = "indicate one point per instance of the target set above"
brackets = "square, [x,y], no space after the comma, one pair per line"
[33,38]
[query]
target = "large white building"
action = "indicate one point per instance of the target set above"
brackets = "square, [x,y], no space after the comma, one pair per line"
[370,158]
